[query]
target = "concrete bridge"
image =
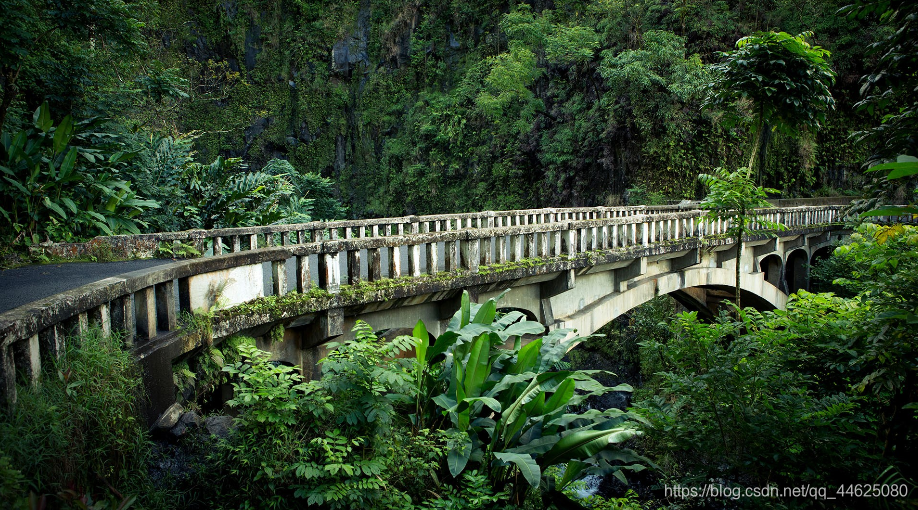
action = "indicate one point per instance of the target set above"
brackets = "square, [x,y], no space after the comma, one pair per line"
[567,268]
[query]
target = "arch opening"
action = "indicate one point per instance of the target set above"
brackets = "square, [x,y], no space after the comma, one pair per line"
[796,271]
[771,266]
[819,255]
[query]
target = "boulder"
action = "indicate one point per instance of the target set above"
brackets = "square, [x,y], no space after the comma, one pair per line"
[169,418]
[219,426]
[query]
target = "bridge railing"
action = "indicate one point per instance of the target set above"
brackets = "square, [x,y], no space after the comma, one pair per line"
[234,240]
[146,304]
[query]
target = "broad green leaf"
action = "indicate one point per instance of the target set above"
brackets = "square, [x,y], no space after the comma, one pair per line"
[584,444]
[62,134]
[541,382]
[42,118]
[560,398]
[486,313]
[443,343]
[537,446]
[423,341]
[54,207]
[903,170]
[68,163]
[534,407]
[523,328]
[527,357]
[464,309]
[571,473]
[478,367]
[527,465]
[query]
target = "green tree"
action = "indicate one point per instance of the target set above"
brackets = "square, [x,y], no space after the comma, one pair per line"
[58,46]
[733,197]
[785,79]
[891,88]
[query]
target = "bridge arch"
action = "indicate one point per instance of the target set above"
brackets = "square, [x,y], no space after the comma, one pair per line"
[772,267]
[754,290]
[796,271]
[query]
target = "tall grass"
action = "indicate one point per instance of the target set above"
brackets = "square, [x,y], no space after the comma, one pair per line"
[77,434]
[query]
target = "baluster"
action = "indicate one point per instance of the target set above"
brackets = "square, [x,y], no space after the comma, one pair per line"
[571,242]
[330,272]
[430,250]
[374,265]
[279,277]
[414,260]
[303,283]
[451,255]
[395,261]
[353,266]
[517,247]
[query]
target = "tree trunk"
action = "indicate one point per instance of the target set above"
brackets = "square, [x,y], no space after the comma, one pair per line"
[739,257]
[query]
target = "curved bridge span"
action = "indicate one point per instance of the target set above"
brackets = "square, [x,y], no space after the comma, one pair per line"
[575,268]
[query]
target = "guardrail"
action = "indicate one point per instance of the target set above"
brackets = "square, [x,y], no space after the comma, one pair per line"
[147,303]
[233,240]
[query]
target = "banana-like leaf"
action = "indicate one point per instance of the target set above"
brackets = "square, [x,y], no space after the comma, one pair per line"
[444,401]
[458,455]
[62,134]
[465,309]
[542,382]
[534,406]
[42,118]
[523,328]
[560,398]
[537,446]
[70,204]
[585,443]
[508,381]
[54,207]
[478,367]
[527,358]
[492,403]
[68,163]
[571,473]
[443,343]
[464,416]
[486,313]
[526,464]
[420,349]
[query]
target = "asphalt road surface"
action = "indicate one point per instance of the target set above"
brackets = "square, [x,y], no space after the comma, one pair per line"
[23,285]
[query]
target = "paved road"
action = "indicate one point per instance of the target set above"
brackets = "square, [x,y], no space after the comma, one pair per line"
[30,283]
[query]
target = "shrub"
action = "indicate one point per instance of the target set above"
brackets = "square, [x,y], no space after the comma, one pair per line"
[78,432]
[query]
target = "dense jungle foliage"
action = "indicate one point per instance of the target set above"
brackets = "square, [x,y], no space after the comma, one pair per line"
[122,116]
[386,108]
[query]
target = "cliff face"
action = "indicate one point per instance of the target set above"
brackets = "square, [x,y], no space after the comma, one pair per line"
[421,107]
